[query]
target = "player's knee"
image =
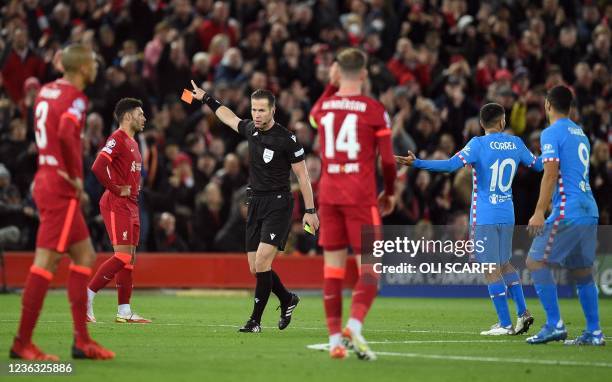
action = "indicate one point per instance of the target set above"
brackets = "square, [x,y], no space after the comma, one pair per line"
[582,273]
[262,264]
[494,274]
[507,268]
[533,265]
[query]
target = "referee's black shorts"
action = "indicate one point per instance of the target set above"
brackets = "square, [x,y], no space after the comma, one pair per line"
[269,220]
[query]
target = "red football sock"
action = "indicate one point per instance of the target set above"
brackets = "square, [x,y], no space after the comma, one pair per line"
[364,293]
[332,297]
[77,295]
[32,301]
[108,270]
[124,284]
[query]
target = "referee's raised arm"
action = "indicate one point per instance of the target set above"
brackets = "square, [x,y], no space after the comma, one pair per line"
[222,112]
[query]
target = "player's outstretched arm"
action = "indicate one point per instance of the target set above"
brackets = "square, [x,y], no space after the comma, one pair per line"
[222,112]
[448,165]
[300,171]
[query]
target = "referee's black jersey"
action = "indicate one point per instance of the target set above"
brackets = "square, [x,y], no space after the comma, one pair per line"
[271,154]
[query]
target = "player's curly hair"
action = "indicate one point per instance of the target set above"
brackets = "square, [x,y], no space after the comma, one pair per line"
[125,105]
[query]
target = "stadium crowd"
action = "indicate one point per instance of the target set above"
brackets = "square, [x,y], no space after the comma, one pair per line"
[431,63]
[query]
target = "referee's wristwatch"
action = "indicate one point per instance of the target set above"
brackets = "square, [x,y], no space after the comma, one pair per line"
[310,210]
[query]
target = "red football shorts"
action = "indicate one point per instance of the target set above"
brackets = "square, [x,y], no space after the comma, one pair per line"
[340,226]
[123,229]
[61,225]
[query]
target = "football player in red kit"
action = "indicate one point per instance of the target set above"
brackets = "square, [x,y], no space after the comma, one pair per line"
[351,128]
[118,167]
[60,111]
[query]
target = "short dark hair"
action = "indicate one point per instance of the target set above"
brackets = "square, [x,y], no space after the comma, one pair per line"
[125,105]
[491,113]
[264,94]
[560,98]
[351,60]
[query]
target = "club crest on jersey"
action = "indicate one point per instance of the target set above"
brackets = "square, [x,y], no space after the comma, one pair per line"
[267,155]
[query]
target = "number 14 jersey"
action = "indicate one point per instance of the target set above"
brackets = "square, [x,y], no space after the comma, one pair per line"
[349,131]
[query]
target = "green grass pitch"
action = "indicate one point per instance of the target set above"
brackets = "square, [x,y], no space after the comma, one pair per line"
[195,338]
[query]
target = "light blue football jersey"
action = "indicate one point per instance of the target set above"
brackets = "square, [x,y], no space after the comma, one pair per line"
[566,143]
[494,159]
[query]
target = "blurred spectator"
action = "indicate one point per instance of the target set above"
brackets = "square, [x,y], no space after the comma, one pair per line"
[167,240]
[20,61]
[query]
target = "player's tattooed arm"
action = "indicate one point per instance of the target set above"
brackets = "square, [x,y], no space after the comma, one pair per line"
[222,112]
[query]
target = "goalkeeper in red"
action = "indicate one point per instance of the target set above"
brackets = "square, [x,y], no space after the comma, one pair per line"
[352,128]
[118,167]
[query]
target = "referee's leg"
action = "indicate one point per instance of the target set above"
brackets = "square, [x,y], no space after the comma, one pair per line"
[263,272]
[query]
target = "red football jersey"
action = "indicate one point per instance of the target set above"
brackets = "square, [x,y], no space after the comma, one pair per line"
[124,169]
[57,101]
[349,129]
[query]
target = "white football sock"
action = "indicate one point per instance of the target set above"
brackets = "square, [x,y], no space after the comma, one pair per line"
[335,340]
[124,310]
[90,296]
[355,325]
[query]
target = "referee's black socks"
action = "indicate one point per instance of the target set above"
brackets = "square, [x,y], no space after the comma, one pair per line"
[279,289]
[262,293]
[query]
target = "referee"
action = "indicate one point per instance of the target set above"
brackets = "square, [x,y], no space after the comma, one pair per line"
[273,151]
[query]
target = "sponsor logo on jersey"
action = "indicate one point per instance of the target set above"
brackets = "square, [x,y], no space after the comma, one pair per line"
[348,168]
[584,186]
[547,149]
[268,155]
[498,199]
[502,145]
[136,167]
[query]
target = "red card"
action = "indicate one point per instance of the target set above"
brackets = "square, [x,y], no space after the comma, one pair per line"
[187,96]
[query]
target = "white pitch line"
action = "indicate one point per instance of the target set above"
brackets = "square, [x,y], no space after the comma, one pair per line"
[497,360]
[446,342]
[265,327]
[273,327]
[446,357]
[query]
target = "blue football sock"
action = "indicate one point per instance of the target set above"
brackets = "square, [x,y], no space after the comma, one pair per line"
[547,292]
[515,291]
[497,291]
[587,293]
